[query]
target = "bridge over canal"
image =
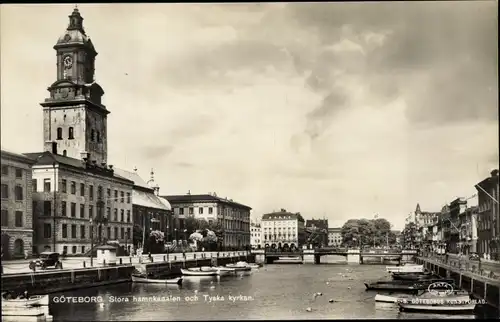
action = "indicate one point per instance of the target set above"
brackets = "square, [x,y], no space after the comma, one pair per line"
[353,256]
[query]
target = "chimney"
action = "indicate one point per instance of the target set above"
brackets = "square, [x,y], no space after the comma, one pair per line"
[494,173]
[110,167]
[103,164]
[94,162]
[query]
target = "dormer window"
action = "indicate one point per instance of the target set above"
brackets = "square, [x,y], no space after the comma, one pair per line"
[59,133]
[70,133]
[92,135]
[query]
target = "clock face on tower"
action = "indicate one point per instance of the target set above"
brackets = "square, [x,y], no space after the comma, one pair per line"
[68,62]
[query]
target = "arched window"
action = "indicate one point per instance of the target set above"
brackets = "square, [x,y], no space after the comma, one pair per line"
[98,136]
[92,135]
[59,133]
[70,133]
[65,153]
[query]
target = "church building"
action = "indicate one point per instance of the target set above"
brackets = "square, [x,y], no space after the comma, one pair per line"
[78,199]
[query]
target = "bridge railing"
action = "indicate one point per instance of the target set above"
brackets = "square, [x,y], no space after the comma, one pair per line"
[331,250]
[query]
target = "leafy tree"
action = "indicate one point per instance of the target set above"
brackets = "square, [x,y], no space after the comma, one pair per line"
[359,232]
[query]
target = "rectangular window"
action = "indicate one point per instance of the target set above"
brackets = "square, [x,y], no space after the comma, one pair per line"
[5,191]
[122,232]
[109,193]
[73,209]
[19,173]
[210,210]
[109,232]
[63,208]
[108,213]
[73,188]
[210,222]
[82,189]
[64,231]
[116,195]
[122,215]
[47,208]
[122,196]
[63,185]
[19,193]
[91,211]
[128,197]
[200,210]
[115,215]
[116,232]
[83,249]
[47,231]
[46,185]
[73,231]
[191,211]
[128,215]
[34,186]
[82,211]
[82,231]
[5,170]
[181,211]
[91,193]
[73,249]
[65,249]
[5,217]
[128,233]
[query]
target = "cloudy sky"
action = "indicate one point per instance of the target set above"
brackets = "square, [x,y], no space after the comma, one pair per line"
[340,110]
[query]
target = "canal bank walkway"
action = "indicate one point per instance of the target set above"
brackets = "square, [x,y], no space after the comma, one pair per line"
[69,263]
[484,268]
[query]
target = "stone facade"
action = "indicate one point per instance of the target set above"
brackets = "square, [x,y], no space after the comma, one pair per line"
[16,206]
[233,217]
[283,228]
[334,237]
[488,216]
[256,236]
[105,198]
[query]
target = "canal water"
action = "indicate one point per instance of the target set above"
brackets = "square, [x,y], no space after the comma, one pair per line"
[277,291]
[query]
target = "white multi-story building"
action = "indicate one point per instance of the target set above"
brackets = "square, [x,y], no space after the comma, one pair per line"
[334,237]
[283,228]
[255,235]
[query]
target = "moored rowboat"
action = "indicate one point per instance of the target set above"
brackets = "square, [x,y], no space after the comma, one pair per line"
[193,272]
[405,269]
[36,300]
[239,268]
[140,279]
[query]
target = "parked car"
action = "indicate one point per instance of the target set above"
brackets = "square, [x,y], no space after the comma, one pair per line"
[47,259]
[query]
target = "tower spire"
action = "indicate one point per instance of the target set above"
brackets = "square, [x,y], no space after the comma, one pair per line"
[76,21]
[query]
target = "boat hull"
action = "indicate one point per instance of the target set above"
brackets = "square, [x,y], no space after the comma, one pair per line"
[406,269]
[37,300]
[198,273]
[412,277]
[139,279]
[239,268]
[404,298]
[445,309]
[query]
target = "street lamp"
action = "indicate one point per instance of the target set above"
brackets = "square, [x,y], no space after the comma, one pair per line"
[91,241]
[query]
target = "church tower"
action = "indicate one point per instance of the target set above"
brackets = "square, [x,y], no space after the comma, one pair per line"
[75,121]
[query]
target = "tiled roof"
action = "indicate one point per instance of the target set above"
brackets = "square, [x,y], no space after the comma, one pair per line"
[147,199]
[206,197]
[47,158]
[10,154]
[133,176]
[282,215]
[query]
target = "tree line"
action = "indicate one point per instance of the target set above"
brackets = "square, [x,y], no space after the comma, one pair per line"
[367,232]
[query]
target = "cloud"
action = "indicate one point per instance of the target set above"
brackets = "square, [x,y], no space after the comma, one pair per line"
[339,108]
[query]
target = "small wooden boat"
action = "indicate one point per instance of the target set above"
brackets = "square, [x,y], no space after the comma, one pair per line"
[143,279]
[194,272]
[36,300]
[239,268]
[223,271]
[412,276]
[424,297]
[404,286]
[405,269]
[255,266]
[438,308]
